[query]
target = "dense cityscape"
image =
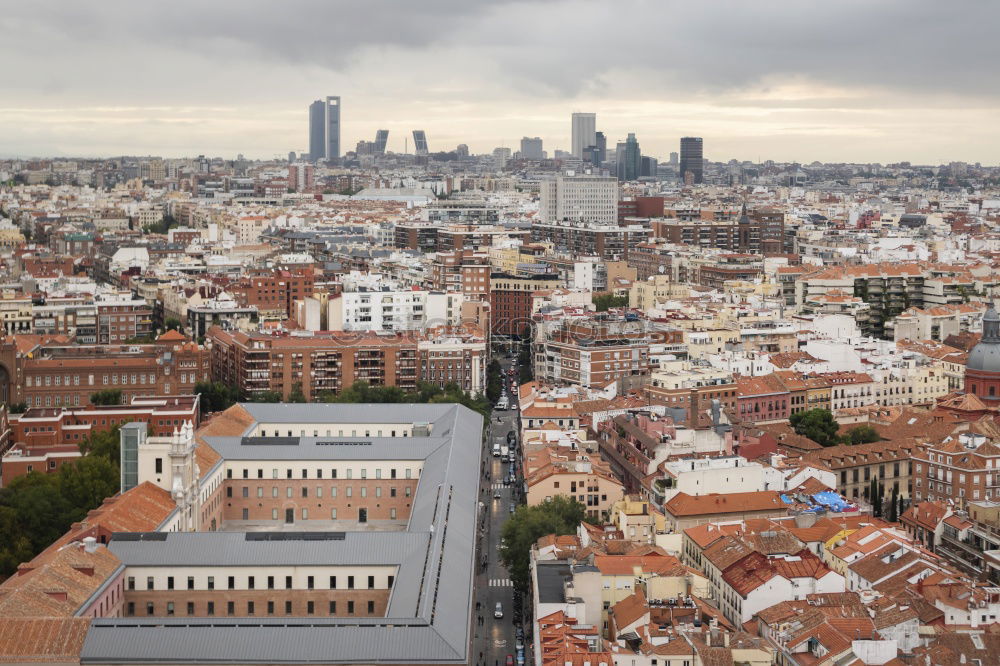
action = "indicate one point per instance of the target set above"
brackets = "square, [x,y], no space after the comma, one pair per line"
[590,397]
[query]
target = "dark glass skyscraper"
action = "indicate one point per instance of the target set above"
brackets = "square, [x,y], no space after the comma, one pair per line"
[381,138]
[419,142]
[324,129]
[629,159]
[692,159]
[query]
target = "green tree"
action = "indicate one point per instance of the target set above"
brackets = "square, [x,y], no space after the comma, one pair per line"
[894,506]
[106,397]
[86,482]
[172,324]
[104,444]
[17,408]
[266,396]
[862,434]
[606,301]
[215,396]
[494,380]
[296,394]
[559,515]
[816,424]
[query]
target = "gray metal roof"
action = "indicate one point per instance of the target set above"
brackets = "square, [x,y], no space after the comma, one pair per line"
[430,607]
[326,448]
[261,641]
[551,577]
[233,549]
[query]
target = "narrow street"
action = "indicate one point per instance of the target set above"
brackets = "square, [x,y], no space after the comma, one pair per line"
[495,638]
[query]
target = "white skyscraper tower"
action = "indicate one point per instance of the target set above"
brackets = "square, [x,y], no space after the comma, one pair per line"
[584,132]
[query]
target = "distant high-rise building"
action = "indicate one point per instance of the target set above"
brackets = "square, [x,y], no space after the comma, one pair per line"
[691,159]
[629,159]
[291,156]
[673,159]
[531,148]
[502,155]
[597,153]
[420,142]
[324,129]
[462,150]
[381,138]
[584,132]
[649,165]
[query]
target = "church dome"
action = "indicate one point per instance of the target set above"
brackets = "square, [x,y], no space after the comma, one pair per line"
[985,356]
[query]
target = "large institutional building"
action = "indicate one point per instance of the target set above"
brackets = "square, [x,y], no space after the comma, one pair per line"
[291,534]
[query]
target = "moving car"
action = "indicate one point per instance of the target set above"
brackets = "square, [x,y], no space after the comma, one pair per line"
[498,613]
[496,494]
[510,661]
[512,507]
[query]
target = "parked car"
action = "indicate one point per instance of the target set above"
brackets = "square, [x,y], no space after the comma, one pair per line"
[498,613]
[510,660]
[512,507]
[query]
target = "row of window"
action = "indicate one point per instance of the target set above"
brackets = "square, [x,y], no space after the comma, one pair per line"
[251,608]
[305,512]
[251,583]
[289,493]
[349,473]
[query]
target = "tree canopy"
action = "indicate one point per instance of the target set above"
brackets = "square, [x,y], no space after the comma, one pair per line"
[816,424]
[360,392]
[38,508]
[215,396]
[106,397]
[604,302]
[820,426]
[559,515]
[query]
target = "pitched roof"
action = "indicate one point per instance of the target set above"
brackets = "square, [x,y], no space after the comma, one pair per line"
[42,639]
[683,504]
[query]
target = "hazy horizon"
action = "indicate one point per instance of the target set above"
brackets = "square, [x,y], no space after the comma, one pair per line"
[841,82]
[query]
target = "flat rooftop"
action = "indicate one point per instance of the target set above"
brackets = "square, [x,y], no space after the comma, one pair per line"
[428,619]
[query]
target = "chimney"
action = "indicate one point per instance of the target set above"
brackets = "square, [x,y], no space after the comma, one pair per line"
[89,544]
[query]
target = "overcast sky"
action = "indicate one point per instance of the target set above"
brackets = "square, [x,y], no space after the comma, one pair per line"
[848,80]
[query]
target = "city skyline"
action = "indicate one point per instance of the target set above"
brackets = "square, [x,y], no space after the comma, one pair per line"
[750,85]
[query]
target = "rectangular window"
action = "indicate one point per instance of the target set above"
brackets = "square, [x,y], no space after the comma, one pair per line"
[159,465]
[131,582]
[270,608]
[288,582]
[149,608]
[310,582]
[232,582]
[305,513]
[288,608]
[170,582]
[333,607]
[249,608]
[230,608]
[270,582]
[211,582]
[250,582]
[350,608]
[149,583]
[190,582]
[170,608]
[371,607]
[310,607]
[333,582]
[131,609]
[211,608]
[350,582]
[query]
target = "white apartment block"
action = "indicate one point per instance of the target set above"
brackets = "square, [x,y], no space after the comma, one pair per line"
[584,199]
